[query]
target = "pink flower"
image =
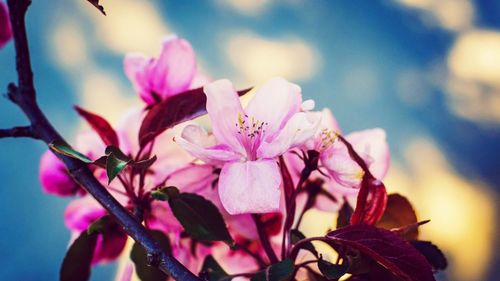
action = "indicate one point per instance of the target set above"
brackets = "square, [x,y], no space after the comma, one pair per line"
[247,141]
[171,73]
[370,145]
[5,29]
[344,175]
[55,178]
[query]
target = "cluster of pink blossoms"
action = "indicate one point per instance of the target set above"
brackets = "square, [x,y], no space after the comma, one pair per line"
[237,163]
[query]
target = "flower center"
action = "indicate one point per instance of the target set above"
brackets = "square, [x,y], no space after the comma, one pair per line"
[327,138]
[251,132]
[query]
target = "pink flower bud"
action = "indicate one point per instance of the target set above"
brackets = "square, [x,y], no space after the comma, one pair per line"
[171,73]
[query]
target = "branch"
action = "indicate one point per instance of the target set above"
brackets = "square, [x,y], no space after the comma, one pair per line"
[18,132]
[24,96]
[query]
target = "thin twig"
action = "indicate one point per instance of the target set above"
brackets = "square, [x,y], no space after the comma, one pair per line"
[18,132]
[24,96]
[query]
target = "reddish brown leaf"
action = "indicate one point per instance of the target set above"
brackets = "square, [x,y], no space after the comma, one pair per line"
[100,126]
[172,111]
[398,213]
[394,254]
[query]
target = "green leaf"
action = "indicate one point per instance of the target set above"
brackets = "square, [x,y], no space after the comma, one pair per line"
[139,256]
[296,236]
[332,271]
[165,193]
[64,149]
[200,218]
[211,270]
[281,271]
[77,262]
[116,162]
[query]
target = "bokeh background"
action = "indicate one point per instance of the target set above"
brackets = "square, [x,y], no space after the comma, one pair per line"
[427,71]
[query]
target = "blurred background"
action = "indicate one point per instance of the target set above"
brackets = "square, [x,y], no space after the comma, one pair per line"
[427,71]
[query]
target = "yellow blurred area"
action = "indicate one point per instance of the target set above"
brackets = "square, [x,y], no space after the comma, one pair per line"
[258,59]
[68,44]
[455,15]
[473,85]
[102,93]
[130,26]
[462,211]
[476,56]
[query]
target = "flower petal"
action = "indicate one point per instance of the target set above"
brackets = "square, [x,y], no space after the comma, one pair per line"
[275,102]
[193,179]
[223,107]
[54,177]
[194,138]
[80,213]
[328,121]
[175,68]
[135,66]
[341,167]
[250,187]
[373,148]
[297,131]
[370,145]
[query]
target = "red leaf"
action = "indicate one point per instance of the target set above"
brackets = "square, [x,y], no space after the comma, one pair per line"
[172,111]
[398,213]
[371,201]
[272,223]
[100,125]
[391,252]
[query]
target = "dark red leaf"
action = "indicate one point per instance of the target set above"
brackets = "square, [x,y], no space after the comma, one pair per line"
[272,223]
[371,201]
[100,126]
[432,253]
[394,254]
[398,213]
[77,262]
[97,5]
[345,214]
[289,193]
[172,111]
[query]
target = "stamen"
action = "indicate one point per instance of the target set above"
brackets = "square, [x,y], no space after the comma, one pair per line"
[328,137]
[251,131]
